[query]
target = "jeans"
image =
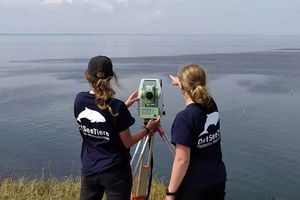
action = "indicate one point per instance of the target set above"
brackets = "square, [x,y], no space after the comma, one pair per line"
[116,183]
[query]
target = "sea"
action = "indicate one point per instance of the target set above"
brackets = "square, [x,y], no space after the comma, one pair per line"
[255,80]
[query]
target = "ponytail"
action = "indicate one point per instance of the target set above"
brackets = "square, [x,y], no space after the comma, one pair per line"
[103,91]
[201,95]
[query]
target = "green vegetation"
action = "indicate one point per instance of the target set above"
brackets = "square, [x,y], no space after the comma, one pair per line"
[25,189]
[54,189]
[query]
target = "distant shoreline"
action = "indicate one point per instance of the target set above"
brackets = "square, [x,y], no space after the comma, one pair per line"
[131,59]
[288,49]
[147,34]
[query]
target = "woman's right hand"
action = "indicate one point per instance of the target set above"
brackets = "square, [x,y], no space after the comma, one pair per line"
[153,125]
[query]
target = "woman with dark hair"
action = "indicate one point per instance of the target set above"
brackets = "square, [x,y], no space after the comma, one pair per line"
[104,123]
[198,171]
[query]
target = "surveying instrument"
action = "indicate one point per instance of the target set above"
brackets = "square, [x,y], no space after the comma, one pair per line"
[150,107]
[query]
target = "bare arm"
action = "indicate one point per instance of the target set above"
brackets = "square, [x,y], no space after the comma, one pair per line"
[129,139]
[180,166]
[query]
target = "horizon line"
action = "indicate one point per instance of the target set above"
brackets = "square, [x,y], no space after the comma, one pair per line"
[167,34]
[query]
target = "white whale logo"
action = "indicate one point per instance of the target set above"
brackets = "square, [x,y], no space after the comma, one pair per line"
[92,115]
[211,119]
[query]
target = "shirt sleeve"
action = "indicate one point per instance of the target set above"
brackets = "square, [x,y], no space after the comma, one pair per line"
[124,119]
[181,132]
[76,105]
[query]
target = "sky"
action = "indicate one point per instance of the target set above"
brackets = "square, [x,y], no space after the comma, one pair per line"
[276,17]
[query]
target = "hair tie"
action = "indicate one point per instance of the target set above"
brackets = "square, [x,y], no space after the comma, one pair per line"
[101,77]
[197,86]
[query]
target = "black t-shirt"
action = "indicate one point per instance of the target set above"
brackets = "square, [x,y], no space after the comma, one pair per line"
[102,147]
[199,129]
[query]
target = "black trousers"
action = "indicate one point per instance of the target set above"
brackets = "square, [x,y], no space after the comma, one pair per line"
[214,192]
[116,183]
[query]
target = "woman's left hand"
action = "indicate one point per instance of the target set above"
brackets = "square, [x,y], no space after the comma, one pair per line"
[132,98]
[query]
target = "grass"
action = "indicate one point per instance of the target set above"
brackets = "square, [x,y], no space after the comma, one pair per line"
[65,189]
[54,189]
[39,189]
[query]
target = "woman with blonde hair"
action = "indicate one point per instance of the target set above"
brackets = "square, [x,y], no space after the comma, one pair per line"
[198,171]
[104,123]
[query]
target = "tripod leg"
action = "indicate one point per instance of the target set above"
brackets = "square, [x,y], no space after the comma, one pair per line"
[140,157]
[145,173]
[166,140]
[135,152]
[143,178]
[169,145]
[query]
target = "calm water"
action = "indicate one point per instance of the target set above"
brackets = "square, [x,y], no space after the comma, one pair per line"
[255,86]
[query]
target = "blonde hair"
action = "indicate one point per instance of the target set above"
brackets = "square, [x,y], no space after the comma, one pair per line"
[193,79]
[103,90]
